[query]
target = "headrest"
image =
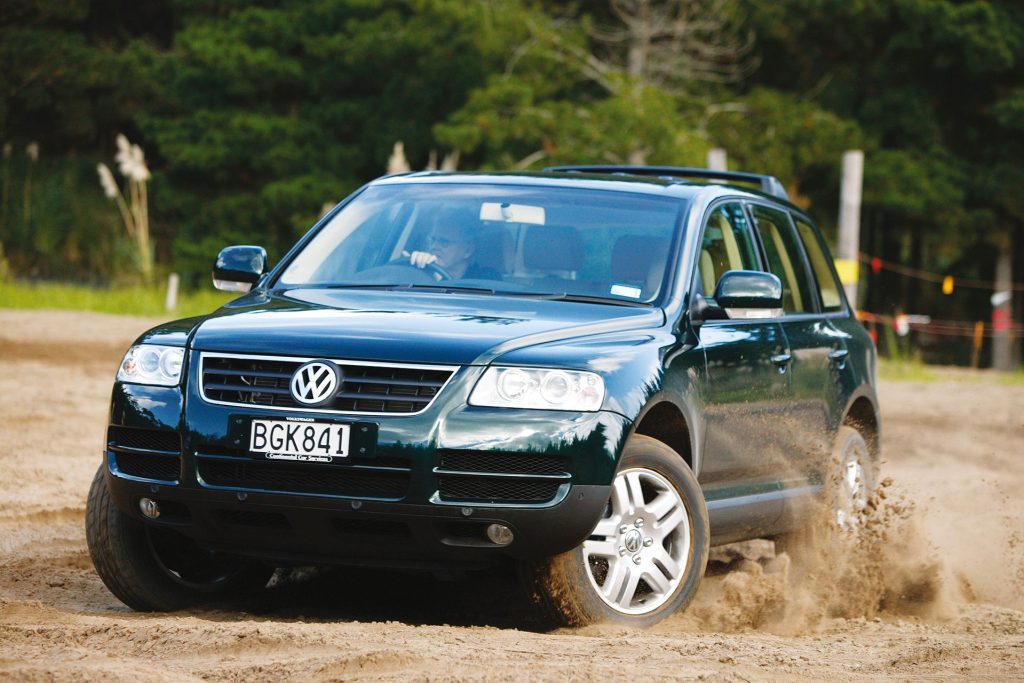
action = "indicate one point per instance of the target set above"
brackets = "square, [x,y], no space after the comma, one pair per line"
[633,256]
[552,247]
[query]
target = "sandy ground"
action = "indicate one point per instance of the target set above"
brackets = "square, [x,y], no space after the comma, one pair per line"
[939,593]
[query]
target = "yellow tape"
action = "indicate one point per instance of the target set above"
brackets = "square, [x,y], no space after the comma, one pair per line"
[848,269]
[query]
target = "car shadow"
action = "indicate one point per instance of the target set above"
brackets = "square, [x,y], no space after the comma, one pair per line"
[492,598]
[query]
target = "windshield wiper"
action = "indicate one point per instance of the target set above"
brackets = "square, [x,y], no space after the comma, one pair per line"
[560,296]
[448,288]
[583,298]
[392,288]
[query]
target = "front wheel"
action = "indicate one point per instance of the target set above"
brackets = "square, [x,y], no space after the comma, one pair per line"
[646,555]
[158,569]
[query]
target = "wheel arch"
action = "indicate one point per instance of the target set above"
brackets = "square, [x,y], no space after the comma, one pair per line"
[666,422]
[862,415]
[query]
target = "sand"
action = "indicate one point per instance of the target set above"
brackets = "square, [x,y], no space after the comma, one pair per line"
[936,591]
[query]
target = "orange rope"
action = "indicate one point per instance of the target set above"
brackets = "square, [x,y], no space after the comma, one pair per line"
[933,277]
[950,328]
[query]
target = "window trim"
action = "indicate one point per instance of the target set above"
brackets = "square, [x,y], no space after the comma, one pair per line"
[844,305]
[804,261]
[819,314]
[697,287]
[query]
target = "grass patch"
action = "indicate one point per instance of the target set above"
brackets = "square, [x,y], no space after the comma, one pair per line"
[147,301]
[902,370]
[1012,378]
[905,370]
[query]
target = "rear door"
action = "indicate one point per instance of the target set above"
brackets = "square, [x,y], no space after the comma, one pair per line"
[833,306]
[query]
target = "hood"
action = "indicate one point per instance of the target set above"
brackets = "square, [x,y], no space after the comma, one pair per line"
[405,326]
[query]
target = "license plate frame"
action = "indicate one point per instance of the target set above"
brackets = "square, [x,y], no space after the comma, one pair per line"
[362,438]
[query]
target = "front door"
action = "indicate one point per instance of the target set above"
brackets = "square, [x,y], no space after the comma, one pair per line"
[748,384]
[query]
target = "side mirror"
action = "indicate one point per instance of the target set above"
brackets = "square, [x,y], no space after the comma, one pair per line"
[237,269]
[749,294]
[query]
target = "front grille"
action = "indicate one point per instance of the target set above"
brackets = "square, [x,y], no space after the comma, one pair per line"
[472,490]
[495,461]
[149,465]
[144,439]
[499,478]
[367,388]
[162,462]
[367,482]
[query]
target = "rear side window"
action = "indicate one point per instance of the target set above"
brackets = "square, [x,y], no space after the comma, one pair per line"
[726,245]
[828,288]
[785,260]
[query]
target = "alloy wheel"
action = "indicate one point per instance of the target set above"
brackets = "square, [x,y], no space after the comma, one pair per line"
[853,487]
[639,551]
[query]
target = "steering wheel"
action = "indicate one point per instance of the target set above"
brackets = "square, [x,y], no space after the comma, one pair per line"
[437,272]
[393,268]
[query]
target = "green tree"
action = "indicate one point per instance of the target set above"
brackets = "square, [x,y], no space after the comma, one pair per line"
[936,87]
[71,80]
[271,110]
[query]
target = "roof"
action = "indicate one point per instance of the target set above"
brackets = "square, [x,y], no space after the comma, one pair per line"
[652,181]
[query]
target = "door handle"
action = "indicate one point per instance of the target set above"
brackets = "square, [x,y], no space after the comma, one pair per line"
[782,360]
[838,356]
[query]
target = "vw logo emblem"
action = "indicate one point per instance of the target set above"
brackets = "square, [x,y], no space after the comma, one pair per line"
[633,540]
[316,382]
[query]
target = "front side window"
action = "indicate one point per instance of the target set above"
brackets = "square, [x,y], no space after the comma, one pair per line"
[500,238]
[785,260]
[828,287]
[726,245]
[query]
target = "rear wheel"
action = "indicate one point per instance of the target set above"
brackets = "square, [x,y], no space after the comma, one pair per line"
[644,558]
[849,484]
[158,569]
[853,479]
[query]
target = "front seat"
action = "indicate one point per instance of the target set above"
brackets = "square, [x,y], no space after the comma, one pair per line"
[639,260]
[553,252]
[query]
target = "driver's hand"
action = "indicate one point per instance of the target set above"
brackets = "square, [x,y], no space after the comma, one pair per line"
[421,259]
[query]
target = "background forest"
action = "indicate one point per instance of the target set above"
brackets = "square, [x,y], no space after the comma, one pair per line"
[255,115]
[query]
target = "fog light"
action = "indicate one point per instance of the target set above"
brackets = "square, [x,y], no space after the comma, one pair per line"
[150,509]
[499,534]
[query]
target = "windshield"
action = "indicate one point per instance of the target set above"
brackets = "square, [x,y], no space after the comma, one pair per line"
[542,241]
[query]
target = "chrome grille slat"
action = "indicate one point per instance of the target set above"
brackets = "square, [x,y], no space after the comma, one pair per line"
[394,382]
[360,396]
[244,387]
[367,388]
[248,373]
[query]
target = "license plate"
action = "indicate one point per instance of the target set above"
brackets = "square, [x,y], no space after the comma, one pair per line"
[301,441]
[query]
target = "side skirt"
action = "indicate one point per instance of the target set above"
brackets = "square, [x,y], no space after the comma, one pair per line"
[761,514]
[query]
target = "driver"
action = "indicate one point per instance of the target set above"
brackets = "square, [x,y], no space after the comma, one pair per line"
[451,246]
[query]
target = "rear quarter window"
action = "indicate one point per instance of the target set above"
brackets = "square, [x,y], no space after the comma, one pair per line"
[828,287]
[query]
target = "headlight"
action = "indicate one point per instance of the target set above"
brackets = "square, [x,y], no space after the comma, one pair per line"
[152,364]
[539,388]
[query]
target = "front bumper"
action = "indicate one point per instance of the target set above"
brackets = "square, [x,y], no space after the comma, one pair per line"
[395,503]
[298,530]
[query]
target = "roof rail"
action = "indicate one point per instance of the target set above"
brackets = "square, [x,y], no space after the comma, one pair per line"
[769,184]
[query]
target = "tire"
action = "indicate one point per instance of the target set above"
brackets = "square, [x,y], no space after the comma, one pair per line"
[645,557]
[849,486]
[853,480]
[155,569]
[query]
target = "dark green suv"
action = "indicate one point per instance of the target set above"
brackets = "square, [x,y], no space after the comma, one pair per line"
[595,372]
